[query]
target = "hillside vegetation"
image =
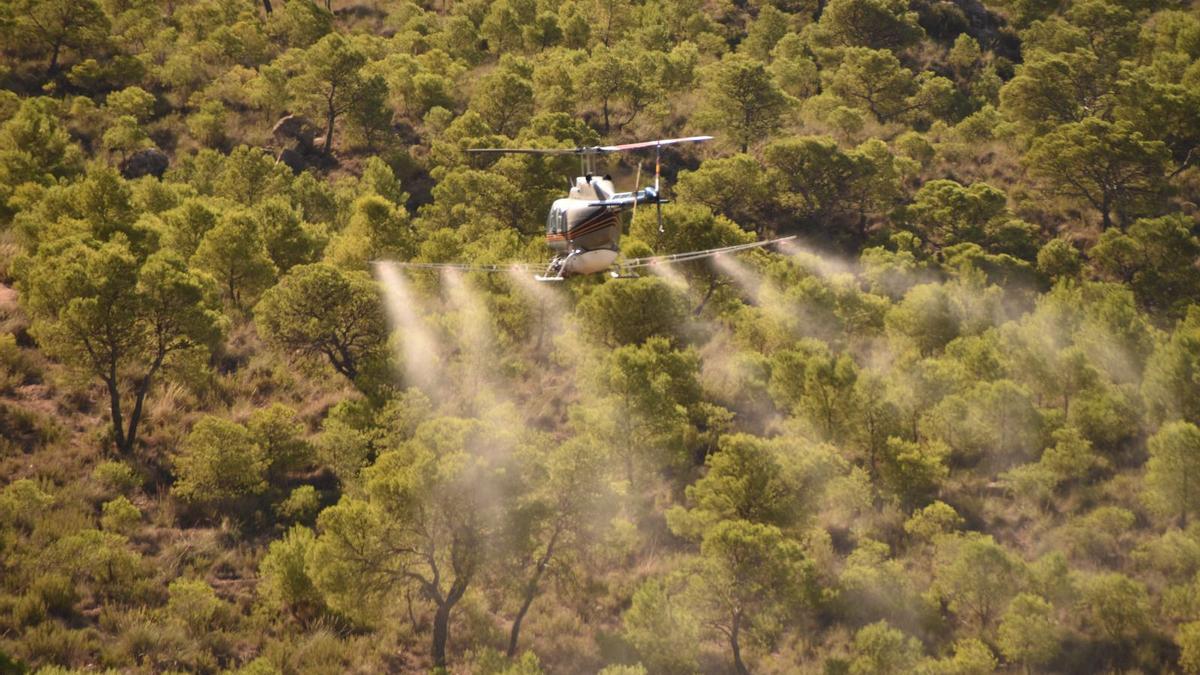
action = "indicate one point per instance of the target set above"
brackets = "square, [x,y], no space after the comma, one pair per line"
[952,427]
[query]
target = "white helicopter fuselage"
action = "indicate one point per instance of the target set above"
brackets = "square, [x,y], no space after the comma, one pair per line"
[584,228]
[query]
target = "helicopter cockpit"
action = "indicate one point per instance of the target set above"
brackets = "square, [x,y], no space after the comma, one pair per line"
[556,220]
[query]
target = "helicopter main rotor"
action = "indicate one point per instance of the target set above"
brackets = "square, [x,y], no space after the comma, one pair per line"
[588,153]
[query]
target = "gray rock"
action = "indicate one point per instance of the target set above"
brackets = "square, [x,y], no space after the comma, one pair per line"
[294,129]
[292,159]
[145,162]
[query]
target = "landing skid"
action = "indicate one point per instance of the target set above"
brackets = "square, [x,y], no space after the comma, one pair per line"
[557,269]
[554,271]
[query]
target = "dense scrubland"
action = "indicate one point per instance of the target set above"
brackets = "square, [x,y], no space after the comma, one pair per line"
[952,428]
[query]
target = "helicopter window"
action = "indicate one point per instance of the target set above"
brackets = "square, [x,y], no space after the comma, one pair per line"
[556,220]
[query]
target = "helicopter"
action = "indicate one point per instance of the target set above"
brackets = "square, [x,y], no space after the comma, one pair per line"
[583,229]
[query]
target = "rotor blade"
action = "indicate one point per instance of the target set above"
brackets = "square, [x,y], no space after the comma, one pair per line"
[696,255]
[591,150]
[465,267]
[651,144]
[526,151]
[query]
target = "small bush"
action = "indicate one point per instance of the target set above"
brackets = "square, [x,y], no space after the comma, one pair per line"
[24,430]
[120,515]
[284,580]
[57,592]
[220,461]
[16,368]
[30,610]
[116,476]
[195,604]
[302,505]
[21,502]
[50,642]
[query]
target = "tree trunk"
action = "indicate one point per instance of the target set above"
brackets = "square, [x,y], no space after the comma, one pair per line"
[1105,213]
[514,635]
[233,295]
[330,116]
[143,389]
[53,66]
[738,664]
[441,631]
[531,590]
[267,5]
[441,618]
[712,287]
[118,422]
[136,416]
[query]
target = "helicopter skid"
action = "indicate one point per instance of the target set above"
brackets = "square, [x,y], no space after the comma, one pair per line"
[579,262]
[588,262]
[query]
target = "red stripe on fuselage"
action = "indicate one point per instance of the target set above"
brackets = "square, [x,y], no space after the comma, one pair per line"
[602,219]
[597,222]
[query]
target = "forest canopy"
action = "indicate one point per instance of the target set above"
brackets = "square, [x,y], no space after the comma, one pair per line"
[952,427]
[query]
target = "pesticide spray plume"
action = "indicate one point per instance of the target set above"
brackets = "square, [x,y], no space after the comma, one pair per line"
[824,265]
[549,301]
[671,275]
[554,333]
[477,344]
[756,289]
[417,348]
[746,279]
[474,334]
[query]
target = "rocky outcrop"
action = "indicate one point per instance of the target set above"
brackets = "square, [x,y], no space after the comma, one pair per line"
[296,131]
[145,162]
[292,159]
[294,136]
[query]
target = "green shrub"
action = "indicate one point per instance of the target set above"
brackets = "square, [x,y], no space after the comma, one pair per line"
[637,669]
[220,461]
[281,436]
[302,505]
[57,592]
[51,642]
[116,476]
[30,610]
[208,124]
[194,603]
[663,636]
[284,580]
[16,368]
[120,515]
[1188,639]
[25,430]
[22,501]
[260,666]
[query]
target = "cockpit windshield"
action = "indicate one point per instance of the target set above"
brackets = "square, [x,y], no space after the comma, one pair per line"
[556,221]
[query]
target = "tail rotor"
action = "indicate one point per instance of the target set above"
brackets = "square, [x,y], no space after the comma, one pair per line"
[657,194]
